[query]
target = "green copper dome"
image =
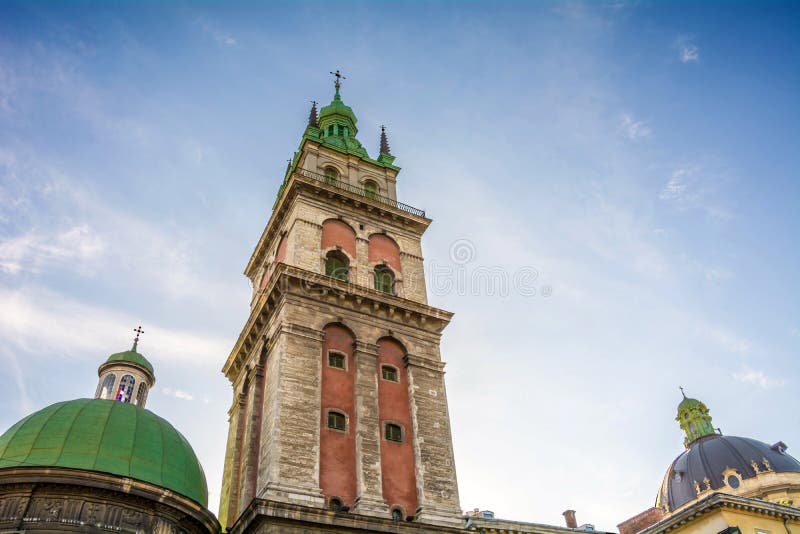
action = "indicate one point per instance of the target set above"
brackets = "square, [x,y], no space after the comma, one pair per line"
[337,109]
[131,356]
[109,437]
[687,403]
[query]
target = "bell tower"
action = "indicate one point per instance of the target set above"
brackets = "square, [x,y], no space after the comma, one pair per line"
[339,404]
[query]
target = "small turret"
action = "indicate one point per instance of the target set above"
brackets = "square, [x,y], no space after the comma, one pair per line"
[694,419]
[126,376]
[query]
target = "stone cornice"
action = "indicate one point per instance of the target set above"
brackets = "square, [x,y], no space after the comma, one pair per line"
[717,501]
[409,255]
[298,183]
[321,519]
[292,281]
[426,363]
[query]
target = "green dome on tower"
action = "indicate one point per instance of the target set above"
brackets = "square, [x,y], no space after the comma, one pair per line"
[131,356]
[337,110]
[109,437]
[688,403]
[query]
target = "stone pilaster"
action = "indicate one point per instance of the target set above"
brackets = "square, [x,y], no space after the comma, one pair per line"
[252,442]
[293,473]
[437,486]
[368,455]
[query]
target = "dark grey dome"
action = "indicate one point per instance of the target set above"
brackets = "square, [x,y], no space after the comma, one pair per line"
[709,456]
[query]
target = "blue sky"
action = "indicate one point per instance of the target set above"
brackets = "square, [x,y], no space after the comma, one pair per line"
[641,157]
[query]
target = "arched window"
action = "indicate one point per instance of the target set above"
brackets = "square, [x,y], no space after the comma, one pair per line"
[393,432]
[337,421]
[370,189]
[335,504]
[337,265]
[141,394]
[397,514]
[107,386]
[384,279]
[331,175]
[125,388]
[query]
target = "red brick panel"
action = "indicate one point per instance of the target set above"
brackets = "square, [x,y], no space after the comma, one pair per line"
[280,255]
[383,248]
[337,449]
[337,233]
[397,459]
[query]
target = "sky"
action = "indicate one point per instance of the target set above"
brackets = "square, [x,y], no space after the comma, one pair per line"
[629,169]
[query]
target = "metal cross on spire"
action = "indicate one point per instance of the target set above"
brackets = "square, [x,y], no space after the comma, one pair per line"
[339,78]
[138,331]
[682,392]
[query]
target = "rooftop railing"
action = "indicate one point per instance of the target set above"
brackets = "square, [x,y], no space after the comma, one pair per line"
[370,195]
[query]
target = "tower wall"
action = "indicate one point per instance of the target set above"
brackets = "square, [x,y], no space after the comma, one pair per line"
[280,448]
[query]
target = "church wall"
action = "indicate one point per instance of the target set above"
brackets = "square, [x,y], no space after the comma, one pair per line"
[337,476]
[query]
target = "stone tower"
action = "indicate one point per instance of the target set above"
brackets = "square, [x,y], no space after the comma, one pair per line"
[339,405]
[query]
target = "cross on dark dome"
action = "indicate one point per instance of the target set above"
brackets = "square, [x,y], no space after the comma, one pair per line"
[138,331]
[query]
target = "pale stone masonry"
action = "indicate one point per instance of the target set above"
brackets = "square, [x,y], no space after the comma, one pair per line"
[275,367]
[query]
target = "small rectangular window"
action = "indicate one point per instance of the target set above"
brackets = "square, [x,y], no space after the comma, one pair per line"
[336,421]
[394,432]
[336,359]
[389,373]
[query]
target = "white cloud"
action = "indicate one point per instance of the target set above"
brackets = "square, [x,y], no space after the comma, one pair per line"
[676,188]
[78,245]
[717,275]
[44,322]
[728,341]
[222,38]
[688,52]
[757,378]
[688,187]
[177,393]
[633,129]
[106,240]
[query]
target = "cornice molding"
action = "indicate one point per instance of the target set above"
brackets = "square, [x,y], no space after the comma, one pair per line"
[289,282]
[722,500]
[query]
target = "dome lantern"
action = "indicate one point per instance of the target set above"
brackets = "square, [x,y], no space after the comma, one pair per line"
[694,419]
[126,376]
[337,119]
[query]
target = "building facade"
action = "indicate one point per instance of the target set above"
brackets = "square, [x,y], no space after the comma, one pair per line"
[722,481]
[103,465]
[339,395]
